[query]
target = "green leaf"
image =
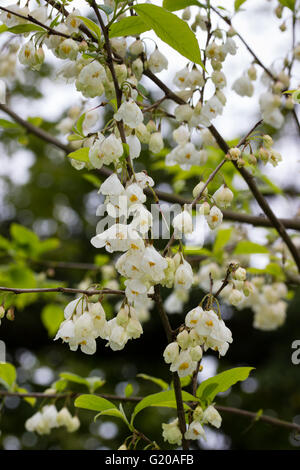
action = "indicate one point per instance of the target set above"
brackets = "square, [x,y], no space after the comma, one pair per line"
[30,400]
[93,179]
[81,154]
[92,383]
[222,382]
[59,385]
[173,5]
[47,245]
[288,3]
[8,375]
[52,316]
[25,28]
[8,124]
[94,403]
[129,26]
[163,399]
[222,238]
[93,27]
[108,10]
[172,30]
[23,236]
[79,124]
[245,247]
[128,390]
[101,260]
[3,28]
[161,383]
[238,4]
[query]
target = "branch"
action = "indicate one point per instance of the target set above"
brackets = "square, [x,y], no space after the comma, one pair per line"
[260,199]
[226,409]
[256,417]
[64,290]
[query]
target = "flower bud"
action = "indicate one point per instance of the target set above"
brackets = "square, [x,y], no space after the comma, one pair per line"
[171,352]
[235,297]
[10,314]
[196,353]
[183,339]
[234,153]
[240,274]
[198,188]
[137,47]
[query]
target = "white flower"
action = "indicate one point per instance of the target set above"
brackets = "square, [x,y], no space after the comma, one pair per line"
[134,146]
[183,364]
[194,317]
[90,80]
[105,151]
[143,179]
[196,353]
[195,79]
[135,194]
[212,417]
[181,78]
[31,56]
[2,92]
[219,79]
[73,22]
[137,47]
[212,108]
[223,196]
[112,186]
[156,143]
[136,292]
[68,49]
[274,118]
[183,112]
[119,237]
[215,217]
[181,135]
[153,264]
[171,432]
[130,114]
[230,46]
[243,86]
[143,219]
[171,352]
[157,62]
[119,45]
[195,431]
[184,276]
[240,274]
[183,224]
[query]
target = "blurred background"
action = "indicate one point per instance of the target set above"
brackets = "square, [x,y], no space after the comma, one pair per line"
[42,191]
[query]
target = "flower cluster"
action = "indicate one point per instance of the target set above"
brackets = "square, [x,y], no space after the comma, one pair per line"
[49,418]
[195,430]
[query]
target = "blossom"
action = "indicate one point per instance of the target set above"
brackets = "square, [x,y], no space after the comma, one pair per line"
[130,114]
[156,143]
[112,186]
[134,146]
[183,224]
[184,276]
[157,62]
[90,80]
[212,416]
[183,364]
[119,237]
[215,217]
[171,432]
[68,49]
[195,431]
[171,352]
[136,292]
[2,92]
[243,86]
[223,196]
[181,135]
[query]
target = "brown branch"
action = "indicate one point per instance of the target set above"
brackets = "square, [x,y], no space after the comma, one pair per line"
[37,22]
[5,393]
[260,199]
[176,381]
[226,409]
[64,290]
[256,417]
[118,91]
